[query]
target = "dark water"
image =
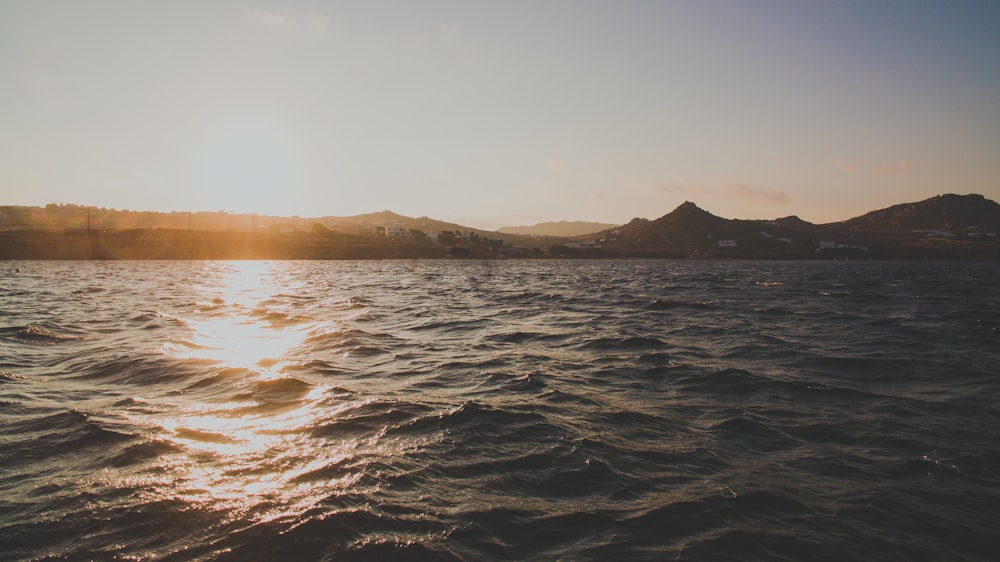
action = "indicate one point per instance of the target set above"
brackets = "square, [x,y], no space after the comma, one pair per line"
[501,410]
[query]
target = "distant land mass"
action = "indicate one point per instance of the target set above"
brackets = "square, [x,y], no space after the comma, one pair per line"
[560,228]
[945,227]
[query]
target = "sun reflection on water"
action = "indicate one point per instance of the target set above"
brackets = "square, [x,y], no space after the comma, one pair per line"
[243,432]
[241,343]
[237,457]
[246,320]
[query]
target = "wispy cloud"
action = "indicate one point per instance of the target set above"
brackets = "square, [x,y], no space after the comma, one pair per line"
[896,167]
[556,163]
[313,21]
[270,20]
[730,189]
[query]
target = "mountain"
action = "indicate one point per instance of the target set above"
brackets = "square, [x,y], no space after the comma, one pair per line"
[689,231]
[562,228]
[942,227]
[944,213]
[80,217]
[946,226]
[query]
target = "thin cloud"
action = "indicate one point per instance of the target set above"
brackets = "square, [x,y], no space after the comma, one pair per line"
[731,189]
[896,168]
[268,20]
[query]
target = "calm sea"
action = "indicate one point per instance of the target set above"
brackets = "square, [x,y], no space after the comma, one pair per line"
[443,410]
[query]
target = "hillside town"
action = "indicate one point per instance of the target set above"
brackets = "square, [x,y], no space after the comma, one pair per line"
[943,227]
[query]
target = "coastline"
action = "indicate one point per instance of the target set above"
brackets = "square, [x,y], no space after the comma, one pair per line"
[171,244]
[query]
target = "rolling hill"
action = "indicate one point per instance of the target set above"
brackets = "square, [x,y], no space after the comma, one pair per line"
[943,227]
[560,228]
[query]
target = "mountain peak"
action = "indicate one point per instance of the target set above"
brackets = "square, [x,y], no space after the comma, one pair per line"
[941,212]
[689,214]
[688,206]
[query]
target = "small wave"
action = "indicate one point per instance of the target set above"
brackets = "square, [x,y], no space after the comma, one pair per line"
[775,310]
[586,477]
[317,366]
[359,340]
[528,383]
[750,432]
[505,382]
[277,390]
[59,434]
[140,453]
[447,326]
[388,548]
[726,381]
[38,334]
[371,417]
[279,319]
[339,469]
[560,397]
[667,304]
[11,377]
[840,294]
[514,337]
[479,419]
[930,465]
[89,290]
[629,343]
[205,436]
[224,378]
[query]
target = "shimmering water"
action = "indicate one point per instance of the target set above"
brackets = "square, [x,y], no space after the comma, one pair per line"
[499,410]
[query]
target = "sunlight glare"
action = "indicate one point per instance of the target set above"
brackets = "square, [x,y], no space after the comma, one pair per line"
[251,166]
[244,325]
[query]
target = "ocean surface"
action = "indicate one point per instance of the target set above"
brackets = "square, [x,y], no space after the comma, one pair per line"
[503,410]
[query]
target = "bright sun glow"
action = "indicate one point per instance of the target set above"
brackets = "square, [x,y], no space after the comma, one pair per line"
[241,326]
[237,455]
[243,438]
[243,343]
[250,168]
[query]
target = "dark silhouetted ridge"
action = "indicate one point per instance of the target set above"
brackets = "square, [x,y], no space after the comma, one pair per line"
[689,215]
[944,212]
[793,221]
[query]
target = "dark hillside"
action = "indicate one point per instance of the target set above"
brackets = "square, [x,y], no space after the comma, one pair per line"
[943,213]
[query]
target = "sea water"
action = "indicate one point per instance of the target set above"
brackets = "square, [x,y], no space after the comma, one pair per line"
[453,410]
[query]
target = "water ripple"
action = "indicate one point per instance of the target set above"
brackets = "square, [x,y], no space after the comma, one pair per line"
[502,410]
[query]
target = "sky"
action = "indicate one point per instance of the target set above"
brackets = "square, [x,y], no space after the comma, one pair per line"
[493,114]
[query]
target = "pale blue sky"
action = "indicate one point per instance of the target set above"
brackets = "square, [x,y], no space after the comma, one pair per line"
[499,113]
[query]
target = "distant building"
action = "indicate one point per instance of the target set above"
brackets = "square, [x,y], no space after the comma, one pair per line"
[936,233]
[390,231]
[828,245]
